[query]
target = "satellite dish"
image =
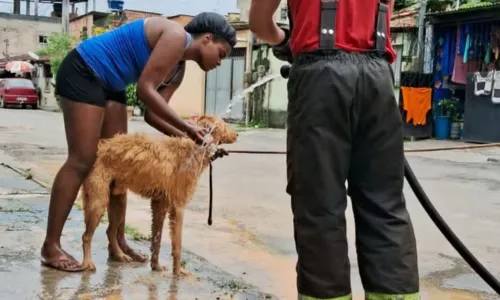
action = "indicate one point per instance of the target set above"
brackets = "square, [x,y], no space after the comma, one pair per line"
[33,55]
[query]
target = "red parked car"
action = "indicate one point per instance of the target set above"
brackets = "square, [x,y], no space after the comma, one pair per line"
[18,91]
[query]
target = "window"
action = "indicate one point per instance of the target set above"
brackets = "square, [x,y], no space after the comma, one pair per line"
[19,83]
[284,14]
[42,40]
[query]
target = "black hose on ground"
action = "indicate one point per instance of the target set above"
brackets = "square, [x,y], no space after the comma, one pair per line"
[438,220]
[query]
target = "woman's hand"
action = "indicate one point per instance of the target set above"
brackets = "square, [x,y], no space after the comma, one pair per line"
[196,133]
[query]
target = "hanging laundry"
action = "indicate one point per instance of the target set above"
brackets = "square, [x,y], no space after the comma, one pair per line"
[416,103]
[428,53]
[461,37]
[445,54]
[487,57]
[483,84]
[495,94]
[467,43]
[444,58]
[495,40]
[485,34]
[460,69]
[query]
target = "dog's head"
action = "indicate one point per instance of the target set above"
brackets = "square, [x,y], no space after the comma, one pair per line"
[221,133]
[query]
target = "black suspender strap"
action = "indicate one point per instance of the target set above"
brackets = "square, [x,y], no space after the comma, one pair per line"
[327,24]
[380,34]
[328,18]
[290,21]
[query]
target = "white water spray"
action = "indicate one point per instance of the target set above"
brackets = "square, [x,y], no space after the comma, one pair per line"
[240,96]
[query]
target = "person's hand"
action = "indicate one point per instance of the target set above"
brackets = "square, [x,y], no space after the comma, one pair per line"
[282,51]
[196,133]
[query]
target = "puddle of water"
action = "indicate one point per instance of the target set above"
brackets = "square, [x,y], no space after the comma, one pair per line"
[22,234]
[429,293]
[470,282]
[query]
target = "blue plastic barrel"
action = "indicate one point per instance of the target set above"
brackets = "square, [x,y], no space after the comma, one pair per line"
[115,5]
[442,127]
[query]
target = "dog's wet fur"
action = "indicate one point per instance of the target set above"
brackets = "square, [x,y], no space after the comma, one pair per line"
[165,170]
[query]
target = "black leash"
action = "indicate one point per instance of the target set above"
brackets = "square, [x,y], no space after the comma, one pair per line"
[211,194]
[218,153]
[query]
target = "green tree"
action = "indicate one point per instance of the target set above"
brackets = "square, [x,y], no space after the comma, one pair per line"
[400,4]
[58,45]
[432,5]
[132,99]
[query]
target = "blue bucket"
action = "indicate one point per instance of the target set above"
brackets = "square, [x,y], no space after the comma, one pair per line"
[115,5]
[442,127]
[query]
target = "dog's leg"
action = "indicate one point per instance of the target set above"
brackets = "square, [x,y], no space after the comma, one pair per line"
[159,211]
[114,216]
[176,216]
[93,215]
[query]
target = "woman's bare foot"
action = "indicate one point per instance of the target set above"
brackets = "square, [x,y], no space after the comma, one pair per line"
[56,258]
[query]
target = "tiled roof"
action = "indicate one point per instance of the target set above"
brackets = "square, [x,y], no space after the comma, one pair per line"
[466,9]
[404,18]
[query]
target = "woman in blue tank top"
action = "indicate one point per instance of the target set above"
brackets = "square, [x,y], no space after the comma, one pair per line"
[91,84]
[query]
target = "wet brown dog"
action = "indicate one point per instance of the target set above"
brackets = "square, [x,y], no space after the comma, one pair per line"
[165,170]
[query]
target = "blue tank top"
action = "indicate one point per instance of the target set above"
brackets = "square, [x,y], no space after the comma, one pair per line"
[118,57]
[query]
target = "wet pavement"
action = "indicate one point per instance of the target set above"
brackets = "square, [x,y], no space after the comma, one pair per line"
[252,237]
[23,213]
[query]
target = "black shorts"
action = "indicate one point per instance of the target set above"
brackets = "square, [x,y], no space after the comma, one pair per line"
[77,82]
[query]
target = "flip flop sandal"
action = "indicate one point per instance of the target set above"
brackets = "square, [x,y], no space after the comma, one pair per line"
[54,265]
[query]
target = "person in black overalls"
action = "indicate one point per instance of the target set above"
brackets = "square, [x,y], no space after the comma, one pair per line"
[343,125]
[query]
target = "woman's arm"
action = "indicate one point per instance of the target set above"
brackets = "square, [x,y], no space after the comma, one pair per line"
[167,52]
[166,92]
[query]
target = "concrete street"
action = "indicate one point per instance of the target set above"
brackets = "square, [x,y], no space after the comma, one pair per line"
[250,245]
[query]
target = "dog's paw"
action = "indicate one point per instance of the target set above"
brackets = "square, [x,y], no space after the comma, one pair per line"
[120,257]
[88,265]
[182,273]
[158,268]
[127,259]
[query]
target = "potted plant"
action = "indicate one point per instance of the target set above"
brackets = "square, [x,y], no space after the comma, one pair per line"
[135,107]
[455,126]
[130,93]
[461,122]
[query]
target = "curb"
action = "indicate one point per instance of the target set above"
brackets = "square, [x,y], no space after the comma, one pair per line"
[22,169]
[136,119]
[50,108]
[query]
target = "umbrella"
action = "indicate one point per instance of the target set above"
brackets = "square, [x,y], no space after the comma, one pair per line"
[19,67]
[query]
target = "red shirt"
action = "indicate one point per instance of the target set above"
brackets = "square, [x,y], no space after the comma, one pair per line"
[354,28]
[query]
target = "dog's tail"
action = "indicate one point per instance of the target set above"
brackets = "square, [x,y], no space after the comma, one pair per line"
[95,191]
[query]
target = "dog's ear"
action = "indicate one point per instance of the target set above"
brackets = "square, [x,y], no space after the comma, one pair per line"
[194,117]
[207,118]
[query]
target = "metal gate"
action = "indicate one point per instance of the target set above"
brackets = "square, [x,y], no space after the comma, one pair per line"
[224,83]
